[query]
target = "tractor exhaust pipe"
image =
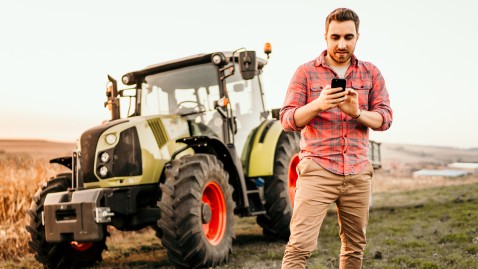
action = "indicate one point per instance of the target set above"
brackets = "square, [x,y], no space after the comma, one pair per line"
[112,101]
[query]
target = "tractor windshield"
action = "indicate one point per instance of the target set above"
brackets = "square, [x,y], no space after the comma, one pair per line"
[180,91]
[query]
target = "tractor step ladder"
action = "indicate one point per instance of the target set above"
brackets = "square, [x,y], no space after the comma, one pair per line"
[256,206]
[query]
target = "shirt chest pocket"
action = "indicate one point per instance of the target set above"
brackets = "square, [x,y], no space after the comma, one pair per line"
[314,91]
[363,88]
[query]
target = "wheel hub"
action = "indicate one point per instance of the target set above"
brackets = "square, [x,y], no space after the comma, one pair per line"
[81,246]
[213,213]
[206,213]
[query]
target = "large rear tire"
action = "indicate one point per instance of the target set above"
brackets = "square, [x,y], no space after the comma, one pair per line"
[197,212]
[58,255]
[279,190]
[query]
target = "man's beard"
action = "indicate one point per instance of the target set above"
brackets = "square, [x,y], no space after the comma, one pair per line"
[341,58]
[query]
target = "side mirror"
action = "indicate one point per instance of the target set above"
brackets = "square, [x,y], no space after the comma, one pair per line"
[247,64]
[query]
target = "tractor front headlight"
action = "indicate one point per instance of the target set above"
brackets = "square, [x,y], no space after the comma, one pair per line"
[104,157]
[219,59]
[103,171]
[110,139]
[128,79]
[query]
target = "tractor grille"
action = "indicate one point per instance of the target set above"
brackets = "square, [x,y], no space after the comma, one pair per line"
[88,148]
[127,155]
[158,131]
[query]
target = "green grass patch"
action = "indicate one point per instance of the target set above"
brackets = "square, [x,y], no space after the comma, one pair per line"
[455,238]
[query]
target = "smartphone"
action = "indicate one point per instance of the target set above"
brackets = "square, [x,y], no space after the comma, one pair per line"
[338,82]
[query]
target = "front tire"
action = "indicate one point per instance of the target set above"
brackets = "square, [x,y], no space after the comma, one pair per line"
[279,189]
[197,212]
[58,255]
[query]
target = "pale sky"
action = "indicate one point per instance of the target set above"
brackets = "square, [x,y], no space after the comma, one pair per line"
[55,57]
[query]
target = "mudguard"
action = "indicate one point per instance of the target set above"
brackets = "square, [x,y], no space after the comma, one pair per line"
[261,149]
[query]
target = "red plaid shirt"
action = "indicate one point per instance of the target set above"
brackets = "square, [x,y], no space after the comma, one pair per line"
[333,139]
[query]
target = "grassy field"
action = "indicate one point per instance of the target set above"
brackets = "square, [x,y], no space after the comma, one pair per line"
[415,223]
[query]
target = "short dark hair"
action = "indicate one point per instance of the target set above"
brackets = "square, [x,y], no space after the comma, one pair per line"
[341,15]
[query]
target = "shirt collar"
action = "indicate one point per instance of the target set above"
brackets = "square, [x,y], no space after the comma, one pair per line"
[321,60]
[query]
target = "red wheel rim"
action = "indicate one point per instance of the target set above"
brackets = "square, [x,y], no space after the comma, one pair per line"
[293,177]
[215,228]
[80,246]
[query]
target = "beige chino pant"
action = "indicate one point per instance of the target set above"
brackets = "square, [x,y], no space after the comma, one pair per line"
[316,189]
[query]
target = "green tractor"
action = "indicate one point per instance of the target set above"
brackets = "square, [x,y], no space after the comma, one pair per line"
[189,145]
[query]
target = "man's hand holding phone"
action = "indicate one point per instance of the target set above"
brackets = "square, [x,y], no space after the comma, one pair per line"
[339,95]
[349,102]
[329,97]
[338,89]
[333,95]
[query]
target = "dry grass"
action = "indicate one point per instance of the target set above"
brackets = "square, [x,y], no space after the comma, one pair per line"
[20,177]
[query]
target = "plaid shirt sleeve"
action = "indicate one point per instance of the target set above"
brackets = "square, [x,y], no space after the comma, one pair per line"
[296,97]
[379,100]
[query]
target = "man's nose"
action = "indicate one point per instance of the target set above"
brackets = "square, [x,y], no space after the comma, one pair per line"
[342,44]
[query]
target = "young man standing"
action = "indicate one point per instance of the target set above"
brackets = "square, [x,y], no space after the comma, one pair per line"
[334,128]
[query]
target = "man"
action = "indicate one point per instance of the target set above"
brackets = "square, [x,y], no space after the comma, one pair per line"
[334,140]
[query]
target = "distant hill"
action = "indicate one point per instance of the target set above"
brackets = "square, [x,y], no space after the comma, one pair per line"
[402,159]
[36,148]
[427,154]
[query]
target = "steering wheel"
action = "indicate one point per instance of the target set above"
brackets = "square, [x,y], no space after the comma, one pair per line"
[197,107]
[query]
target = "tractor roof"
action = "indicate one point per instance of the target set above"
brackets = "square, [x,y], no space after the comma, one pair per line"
[183,62]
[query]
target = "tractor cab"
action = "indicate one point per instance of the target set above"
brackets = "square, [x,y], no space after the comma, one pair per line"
[219,94]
